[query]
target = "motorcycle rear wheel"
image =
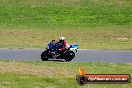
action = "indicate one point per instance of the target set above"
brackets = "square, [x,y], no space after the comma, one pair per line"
[44,56]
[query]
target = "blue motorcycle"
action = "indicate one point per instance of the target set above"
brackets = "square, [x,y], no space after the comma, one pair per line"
[52,52]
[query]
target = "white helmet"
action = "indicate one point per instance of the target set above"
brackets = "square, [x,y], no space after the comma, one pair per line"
[62,38]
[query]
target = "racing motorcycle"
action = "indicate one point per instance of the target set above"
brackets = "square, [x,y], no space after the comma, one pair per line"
[53,53]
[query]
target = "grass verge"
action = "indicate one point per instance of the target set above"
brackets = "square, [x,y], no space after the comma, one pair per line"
[86,38]
[15,74]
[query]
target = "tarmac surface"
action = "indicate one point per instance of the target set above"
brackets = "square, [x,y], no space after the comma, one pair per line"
[112,56]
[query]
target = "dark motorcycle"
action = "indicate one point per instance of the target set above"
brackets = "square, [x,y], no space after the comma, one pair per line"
[52,52]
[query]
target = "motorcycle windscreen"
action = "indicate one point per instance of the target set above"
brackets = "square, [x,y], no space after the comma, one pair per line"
[74,46]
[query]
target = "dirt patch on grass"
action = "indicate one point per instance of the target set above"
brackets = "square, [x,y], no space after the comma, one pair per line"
[124,38]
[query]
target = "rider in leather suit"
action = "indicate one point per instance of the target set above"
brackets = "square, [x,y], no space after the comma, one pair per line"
[62,44]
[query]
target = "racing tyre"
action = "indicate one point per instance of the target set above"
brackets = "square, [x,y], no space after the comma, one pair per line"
[44,56]
[69,56]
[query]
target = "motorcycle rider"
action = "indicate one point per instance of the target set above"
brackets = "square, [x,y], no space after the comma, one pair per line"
[59,46]
[62,44]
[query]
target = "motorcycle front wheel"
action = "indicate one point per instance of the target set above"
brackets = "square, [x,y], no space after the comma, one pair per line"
[69,56]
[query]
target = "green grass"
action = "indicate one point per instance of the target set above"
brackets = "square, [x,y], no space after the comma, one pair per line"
[65,16]
[14,74]
[93,24]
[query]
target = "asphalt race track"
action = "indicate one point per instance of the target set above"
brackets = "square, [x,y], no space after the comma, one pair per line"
[116,56]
